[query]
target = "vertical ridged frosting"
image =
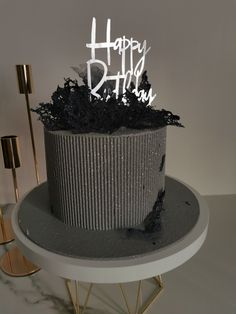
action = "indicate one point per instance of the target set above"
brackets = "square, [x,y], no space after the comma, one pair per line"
[100,181]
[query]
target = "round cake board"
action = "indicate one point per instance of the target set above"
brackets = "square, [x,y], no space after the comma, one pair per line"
[180,214]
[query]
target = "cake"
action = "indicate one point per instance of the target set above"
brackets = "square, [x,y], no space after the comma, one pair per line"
[105,147]
[105,181]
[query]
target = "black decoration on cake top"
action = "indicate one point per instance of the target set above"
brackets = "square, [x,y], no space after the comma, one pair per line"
[74,108]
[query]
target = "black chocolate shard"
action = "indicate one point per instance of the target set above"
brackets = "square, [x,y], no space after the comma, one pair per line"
[159,202]
[163,158]
[52,210]
[152,222]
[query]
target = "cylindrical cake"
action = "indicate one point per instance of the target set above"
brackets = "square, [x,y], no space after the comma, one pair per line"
[105,181]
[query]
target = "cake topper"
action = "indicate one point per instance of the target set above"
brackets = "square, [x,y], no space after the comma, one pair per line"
[126,48]
[107,102]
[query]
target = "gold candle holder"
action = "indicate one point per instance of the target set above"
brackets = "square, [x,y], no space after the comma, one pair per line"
[24,77]
[11,158]
[6,232]
[13,262]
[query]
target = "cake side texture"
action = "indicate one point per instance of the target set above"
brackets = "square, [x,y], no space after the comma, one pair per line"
[105,181]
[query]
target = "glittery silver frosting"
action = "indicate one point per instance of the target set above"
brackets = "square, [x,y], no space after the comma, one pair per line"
[104,182]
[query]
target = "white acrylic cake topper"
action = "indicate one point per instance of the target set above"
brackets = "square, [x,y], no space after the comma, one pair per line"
[122,45]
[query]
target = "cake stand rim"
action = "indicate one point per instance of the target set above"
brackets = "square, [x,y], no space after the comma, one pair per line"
[122,269]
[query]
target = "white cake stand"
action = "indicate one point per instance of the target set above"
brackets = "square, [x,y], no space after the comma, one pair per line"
[120,269]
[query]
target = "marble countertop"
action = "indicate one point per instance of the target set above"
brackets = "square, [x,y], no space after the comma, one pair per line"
[45,293]
[38,293]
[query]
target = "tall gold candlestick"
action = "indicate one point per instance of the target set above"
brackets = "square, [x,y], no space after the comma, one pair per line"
[24,76]
[13,262]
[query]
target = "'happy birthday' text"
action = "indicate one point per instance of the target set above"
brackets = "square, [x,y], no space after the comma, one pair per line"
[126,48]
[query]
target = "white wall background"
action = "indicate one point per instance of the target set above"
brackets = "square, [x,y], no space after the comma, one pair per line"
[192,66]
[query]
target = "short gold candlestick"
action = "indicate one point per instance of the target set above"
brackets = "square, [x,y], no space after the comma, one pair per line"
[24,76]
[9,148]
[13,262]
[6,232]
[11,158]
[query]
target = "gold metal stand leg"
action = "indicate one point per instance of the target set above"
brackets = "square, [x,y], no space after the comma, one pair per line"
[77,303]
[156,293]
[125,298]
[74,296]
[6,232]
[69,290]
[139,307]
[138,297]
[87,298]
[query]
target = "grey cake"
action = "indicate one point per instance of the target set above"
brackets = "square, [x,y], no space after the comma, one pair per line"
[102,181]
